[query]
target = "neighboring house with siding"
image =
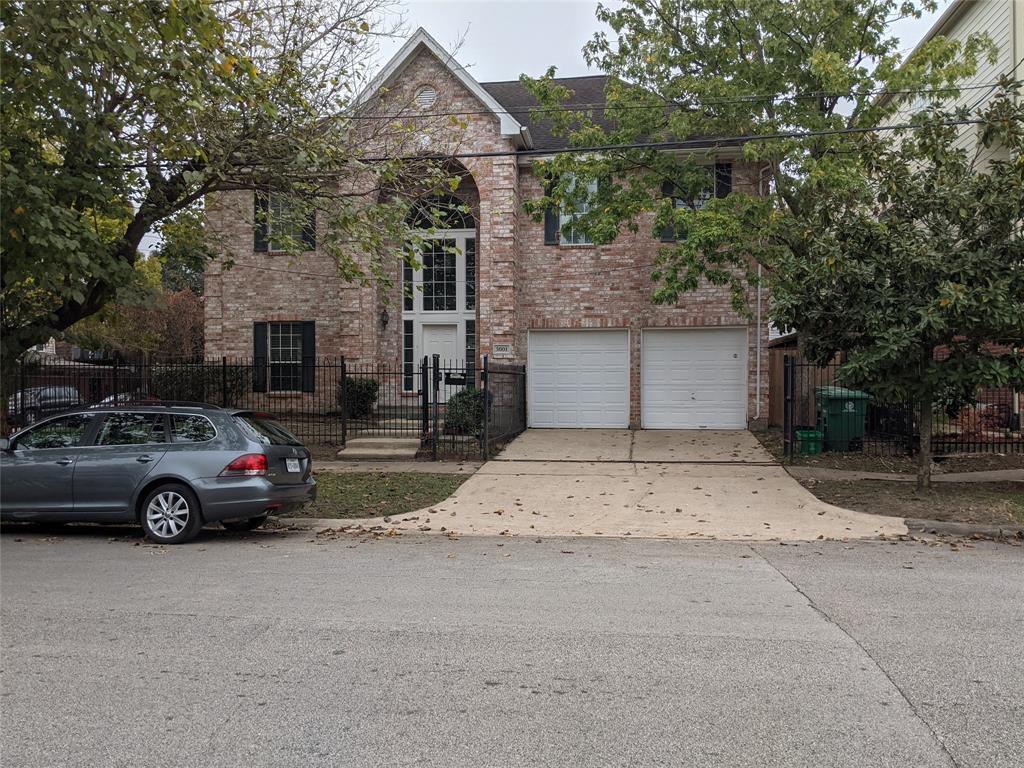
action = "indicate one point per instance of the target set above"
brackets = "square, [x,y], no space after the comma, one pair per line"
[1003,22]
[598,352]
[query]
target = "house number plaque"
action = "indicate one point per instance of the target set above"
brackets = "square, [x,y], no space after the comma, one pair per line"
[502,350]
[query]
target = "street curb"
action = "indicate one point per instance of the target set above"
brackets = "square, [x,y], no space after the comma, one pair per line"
[918,525]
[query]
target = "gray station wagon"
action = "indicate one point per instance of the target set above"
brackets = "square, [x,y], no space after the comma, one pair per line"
[171,467]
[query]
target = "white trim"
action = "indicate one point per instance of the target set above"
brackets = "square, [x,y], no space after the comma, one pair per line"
[510,127]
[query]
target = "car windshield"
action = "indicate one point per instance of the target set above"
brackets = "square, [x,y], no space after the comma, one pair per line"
[263,428]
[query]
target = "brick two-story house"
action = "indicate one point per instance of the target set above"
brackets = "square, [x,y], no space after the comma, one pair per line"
[598,352]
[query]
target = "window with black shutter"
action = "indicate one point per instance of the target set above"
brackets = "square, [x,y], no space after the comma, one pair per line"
[284,358]
[719,185]
[277,220]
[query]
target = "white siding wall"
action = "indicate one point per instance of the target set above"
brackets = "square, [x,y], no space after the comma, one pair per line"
[999,20]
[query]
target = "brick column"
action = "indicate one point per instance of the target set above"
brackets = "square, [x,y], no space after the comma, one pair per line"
[497,254]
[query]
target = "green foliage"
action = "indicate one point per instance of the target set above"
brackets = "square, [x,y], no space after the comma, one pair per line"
[361,395]
[919,278]
[464,412]
[120,117]
[754,68]
[184,251]
[200,382]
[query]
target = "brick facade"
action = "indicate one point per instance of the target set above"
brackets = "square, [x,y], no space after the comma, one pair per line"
[522,284]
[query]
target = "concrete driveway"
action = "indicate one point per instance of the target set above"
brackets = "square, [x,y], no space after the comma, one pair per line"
[656,484]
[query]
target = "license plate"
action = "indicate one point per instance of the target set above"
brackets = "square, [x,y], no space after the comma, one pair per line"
[292,465]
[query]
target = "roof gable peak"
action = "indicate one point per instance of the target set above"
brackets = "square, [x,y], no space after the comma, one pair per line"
[423,40]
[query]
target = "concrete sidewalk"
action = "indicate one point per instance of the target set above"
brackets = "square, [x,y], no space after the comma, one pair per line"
[988,476]
[425,467]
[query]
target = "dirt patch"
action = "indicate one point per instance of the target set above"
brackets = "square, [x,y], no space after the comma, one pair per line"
[986,503]
[377,494]
[906,465]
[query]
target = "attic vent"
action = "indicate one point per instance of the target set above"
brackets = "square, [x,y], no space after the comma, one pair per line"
[426,96]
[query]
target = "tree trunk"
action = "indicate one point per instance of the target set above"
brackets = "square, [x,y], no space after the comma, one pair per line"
[924,449]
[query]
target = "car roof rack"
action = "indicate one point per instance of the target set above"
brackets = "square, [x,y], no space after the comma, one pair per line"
[159,404]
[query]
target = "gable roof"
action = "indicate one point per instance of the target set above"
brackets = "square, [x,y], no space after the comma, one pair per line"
[588,95]
[421,40]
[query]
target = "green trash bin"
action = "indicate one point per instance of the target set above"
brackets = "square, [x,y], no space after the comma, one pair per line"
[842,414]
[809,441]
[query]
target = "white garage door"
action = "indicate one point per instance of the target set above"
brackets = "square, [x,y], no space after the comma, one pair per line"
[694,379]
[578,378]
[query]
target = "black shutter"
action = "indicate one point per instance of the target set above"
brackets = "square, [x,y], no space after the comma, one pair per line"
[261,205]
[668,233]
[550,219]
[309,356]
[723,179]
[259,357]
[309,232]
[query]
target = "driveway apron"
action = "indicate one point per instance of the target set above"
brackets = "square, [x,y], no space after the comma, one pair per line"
[653,484]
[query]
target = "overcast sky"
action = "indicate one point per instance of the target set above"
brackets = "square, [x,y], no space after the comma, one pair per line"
[502,39]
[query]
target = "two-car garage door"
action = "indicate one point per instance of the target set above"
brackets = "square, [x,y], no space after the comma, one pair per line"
[690,378]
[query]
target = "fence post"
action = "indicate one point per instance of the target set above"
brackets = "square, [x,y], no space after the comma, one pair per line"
[115,392]
[486,433]
[522,400]
[224,381]
[424,398]
[435,381]
[787,407]
[344,402]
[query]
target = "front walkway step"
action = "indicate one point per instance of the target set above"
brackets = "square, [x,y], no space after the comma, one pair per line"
[380,448]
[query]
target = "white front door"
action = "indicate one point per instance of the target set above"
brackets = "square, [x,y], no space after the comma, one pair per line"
[578,378]
[693,378]
[442,340]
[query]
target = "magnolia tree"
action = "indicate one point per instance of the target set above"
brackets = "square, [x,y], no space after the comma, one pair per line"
[792,89]
[917,276]
[117,116]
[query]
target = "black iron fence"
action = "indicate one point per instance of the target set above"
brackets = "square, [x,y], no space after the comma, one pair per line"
[822,414]
[454,409]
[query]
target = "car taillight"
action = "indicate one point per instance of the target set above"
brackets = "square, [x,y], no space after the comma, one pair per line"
[249,464]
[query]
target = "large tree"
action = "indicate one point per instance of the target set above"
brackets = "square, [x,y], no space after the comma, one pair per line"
[119,115]
[791,87]
[916,275]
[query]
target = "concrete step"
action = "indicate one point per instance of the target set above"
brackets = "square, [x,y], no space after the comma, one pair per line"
[380,441]
[380,449]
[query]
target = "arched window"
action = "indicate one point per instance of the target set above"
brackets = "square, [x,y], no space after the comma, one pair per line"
[442,212]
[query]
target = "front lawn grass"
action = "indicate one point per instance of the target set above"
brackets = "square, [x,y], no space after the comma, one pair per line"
[377,494]
[986,503]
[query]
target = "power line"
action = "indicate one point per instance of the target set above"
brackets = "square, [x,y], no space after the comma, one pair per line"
[706,143]
[603,105]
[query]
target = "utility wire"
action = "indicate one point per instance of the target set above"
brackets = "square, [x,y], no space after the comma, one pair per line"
[707,143]
[602,105]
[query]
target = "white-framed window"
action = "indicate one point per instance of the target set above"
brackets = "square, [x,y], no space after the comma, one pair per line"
[285,351]
[571,210]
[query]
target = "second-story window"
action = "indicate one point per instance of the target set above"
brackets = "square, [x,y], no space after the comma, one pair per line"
[573,209]
[280,223]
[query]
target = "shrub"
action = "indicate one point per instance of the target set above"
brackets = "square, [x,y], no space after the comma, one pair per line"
[464,412]
[362,394]
[200,382]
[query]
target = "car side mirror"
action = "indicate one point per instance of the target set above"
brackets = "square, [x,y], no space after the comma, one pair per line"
[5,444]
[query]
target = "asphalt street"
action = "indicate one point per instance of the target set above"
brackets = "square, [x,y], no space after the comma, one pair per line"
[285,649]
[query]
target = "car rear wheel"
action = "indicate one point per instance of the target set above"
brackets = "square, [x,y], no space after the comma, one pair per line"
[244,525]
[170,514]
